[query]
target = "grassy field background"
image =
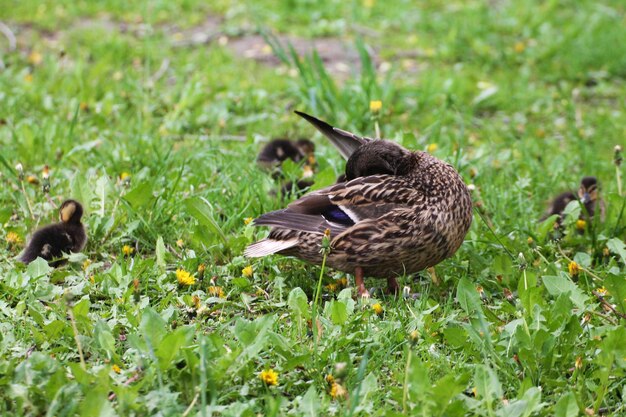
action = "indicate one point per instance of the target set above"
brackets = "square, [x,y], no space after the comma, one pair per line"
[151,114]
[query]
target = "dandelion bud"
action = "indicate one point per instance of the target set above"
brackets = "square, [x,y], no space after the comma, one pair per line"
[617,156]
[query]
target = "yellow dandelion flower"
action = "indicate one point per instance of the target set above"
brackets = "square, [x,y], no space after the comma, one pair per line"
[307,171]
[195,300]
[606,251]
[260,292]
[116,369]
[92,279]
[117,75]
[184,277]
[201,269]
[216,291]
[247,271]
[13,238]
[368,4]
[330,379]
[35,58]
[247,220]
[519,47]
[602,291]
[530,241]
[573,269]
[269,377]
[581,224]
[432,147]
[378,309]
[337,391]
[375,106]
[28,78]
[124,176]
[414,337]
[31,179]
[342,282]
[578,363]
[332,287]
[474,391]
[86,264]
[127,250]
[180,243]
[83,106]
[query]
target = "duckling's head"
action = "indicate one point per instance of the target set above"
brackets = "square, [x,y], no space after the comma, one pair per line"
[379,157]
[71,211]
[588,190]
[305,146]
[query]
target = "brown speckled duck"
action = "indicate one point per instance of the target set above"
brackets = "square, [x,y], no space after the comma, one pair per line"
[398,213]
[50,242]
[588,195]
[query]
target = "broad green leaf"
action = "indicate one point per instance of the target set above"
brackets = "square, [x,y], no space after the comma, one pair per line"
[487,384]
[140,195]
[104,338]
[468,297]
[200,209]
[160,253]
[566,406]
[38,268]
[171,345]
[298,303]
[310,403]
[152,326]
[616,286]
[338,312]
[455,336]
[615,245]
[557,285]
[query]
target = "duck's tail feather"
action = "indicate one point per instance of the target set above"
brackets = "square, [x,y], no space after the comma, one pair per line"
[268,246]
[345,142]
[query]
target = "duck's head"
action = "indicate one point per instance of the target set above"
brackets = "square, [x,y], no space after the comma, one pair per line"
[71,211]
[588,190]
[379,157]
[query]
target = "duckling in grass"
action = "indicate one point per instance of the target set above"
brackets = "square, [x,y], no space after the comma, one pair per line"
[279,150]
[588,195]
[51,241]
[399,212]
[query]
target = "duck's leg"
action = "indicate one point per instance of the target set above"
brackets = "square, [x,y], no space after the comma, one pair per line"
[360,286]
[392,286]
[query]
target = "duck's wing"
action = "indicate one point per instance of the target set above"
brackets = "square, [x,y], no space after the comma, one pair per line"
[345,142]
[338,207]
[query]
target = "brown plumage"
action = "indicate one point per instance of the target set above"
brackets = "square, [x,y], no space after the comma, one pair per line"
[588,195]
[50,242]
[277,151]
[399,212]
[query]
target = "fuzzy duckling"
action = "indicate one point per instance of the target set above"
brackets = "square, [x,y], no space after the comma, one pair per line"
[279,150]
[51,241]
[588,195]
[398,213]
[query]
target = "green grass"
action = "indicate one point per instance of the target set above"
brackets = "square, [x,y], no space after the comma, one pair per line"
[523,98]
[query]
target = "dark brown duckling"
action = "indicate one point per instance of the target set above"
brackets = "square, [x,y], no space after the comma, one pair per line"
[278,150]
[588,195]
[50,242]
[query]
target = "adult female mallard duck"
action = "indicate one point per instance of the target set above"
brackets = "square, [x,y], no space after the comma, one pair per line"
[588,195]
[399,212]
[50,242]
